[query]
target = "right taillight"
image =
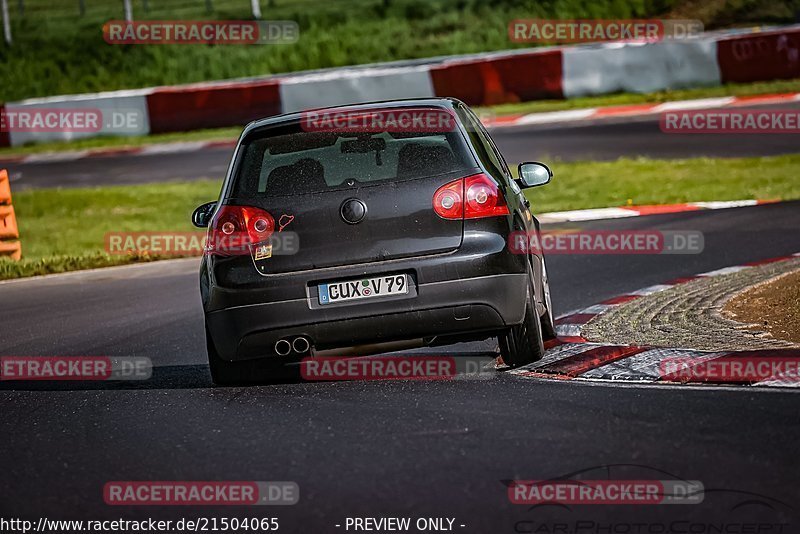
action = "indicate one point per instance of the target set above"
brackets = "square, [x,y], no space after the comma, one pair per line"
[473,197]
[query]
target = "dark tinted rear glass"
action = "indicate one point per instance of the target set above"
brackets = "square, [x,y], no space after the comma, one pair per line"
[287,160]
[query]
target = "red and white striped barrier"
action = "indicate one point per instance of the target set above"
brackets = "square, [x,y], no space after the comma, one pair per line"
[633,110]
[480,80]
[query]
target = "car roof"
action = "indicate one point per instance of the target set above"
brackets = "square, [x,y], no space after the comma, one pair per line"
[441,103]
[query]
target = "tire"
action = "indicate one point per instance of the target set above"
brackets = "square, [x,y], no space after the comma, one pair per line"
[548,323]
[523,344]
[260,371]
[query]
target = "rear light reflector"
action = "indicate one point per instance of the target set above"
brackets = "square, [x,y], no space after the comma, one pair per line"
[473,197]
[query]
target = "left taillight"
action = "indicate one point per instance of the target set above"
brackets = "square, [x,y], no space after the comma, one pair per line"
[473,197]
[234,228]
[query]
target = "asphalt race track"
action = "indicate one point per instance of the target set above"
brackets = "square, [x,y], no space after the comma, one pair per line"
[598,140]
[413,448]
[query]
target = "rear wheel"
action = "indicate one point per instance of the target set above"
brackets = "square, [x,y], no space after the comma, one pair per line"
[523,344]
[548,323]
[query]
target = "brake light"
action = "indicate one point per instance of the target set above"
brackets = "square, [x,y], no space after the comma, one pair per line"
[484,199]
[234,228]
[473,197]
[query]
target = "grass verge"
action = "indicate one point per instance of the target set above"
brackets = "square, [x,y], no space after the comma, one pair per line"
[64,229]
[650,181]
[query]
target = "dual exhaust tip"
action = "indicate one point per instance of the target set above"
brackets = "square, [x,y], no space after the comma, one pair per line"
[299,345]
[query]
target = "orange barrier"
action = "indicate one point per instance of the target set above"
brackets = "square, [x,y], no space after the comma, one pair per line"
[8,221]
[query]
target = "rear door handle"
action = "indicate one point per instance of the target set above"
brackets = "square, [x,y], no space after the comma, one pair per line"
[526,202]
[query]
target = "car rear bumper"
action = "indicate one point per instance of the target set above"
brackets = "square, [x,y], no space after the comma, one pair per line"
[472,305]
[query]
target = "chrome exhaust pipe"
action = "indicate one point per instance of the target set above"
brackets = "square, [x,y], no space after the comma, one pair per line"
[283,347]
[301,345]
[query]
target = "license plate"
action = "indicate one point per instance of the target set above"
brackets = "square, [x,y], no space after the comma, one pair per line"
[367,288]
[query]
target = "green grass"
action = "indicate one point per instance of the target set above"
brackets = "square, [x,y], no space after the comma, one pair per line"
[64,229]
[782,86]
[648,181]
[58,51]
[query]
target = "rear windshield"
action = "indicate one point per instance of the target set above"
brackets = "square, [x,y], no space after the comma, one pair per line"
[287,160]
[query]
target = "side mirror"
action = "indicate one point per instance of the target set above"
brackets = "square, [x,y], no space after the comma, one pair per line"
[533,173]
[202,215]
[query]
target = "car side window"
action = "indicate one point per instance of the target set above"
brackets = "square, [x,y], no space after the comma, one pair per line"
[482,147]
[502,161]
[491,147]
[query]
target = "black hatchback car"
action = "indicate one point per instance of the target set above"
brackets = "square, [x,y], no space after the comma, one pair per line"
[364,226]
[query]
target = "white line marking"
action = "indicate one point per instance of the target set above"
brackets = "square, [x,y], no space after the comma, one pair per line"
[555,116]
[724,204]
[778,381]
[49,157]
[173,148]
[597,309]
[646,365]
[587,215]
[651,289]
[568,330]
[556,354]
[700,103]
[725,270]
